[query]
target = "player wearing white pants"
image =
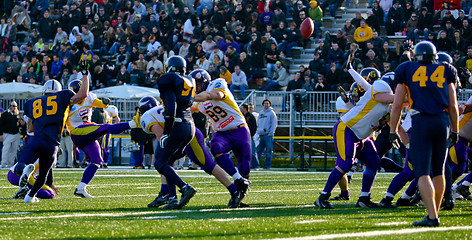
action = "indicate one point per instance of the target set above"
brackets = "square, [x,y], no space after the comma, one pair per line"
[11,142]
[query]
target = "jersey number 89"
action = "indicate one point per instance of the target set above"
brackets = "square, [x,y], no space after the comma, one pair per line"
[217,113]
[38,107]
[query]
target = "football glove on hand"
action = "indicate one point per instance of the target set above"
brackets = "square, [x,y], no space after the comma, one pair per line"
[394,139]
[83,67]
[453,138]
[163,141]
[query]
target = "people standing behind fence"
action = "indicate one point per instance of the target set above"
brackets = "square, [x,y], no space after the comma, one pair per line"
[252,124]
[10,123]
[267,124]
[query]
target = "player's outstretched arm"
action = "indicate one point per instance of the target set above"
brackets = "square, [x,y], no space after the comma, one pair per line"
[359,79]
[84,88]
[384,97]
[211,95]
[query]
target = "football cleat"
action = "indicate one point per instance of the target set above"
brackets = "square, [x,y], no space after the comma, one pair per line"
[82,193]
[172,204]
[160,200]
[322,201]
[29,199]
[340,198]
[387,203]
[27,171]
[426,222]
[365,202]
[243,185]
[187,193]
[464,191]
[404,202]
[416,199]
[448,203]
[455,194]
[21,193]
[243,205]
[236,199]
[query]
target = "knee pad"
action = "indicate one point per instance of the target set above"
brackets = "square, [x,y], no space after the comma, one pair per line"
[369,172]
[216,148]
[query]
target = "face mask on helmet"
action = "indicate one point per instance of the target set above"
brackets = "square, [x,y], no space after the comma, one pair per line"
[356,93]
[202,79]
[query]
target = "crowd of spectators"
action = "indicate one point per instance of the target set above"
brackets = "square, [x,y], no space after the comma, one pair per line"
[130,41]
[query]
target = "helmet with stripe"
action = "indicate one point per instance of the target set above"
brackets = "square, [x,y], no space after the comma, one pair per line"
[389,78]
[444,57]
[356,93]
[52,86]
[176,64]
[146,103]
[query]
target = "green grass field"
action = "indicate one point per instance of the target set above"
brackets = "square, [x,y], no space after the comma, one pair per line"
[281,206]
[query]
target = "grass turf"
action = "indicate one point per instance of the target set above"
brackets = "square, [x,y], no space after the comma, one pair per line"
[281,206]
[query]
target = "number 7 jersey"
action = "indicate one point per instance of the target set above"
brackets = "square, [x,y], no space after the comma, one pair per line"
[224,114]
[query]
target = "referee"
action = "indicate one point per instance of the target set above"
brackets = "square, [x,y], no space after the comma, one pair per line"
[430,87]
[10,123]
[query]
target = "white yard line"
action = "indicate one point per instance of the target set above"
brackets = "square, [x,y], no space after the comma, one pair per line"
[230,219]
[379,233]
[311,221]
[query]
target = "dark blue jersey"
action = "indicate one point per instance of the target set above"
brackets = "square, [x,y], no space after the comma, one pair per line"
[177,94]
[426,85]
[49,114]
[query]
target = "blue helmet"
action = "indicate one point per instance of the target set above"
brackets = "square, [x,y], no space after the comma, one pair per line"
[176,64]
[425,52]
[146,103]
[370,74]
[75,85]
[444,57]
[390,79]
[202,79]
[356,93]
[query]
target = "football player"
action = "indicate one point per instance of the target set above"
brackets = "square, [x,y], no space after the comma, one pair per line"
[112,116]
[152,121]
[351,132]
[177,94]
[46,117]
[85,135]
[46,192]
[229,125]
[431,91]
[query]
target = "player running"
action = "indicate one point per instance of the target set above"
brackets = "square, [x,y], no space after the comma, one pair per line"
[47,115]
[229,125]
[152,122]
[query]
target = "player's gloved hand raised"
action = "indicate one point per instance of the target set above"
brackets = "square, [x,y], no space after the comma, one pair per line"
[163,141]
[453,138]
[394,139]
[83,67]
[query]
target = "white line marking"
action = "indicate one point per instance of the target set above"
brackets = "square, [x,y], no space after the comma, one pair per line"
[159,217]
[392,223]
[379,233]
[311,221]
[14,213]
[230,219]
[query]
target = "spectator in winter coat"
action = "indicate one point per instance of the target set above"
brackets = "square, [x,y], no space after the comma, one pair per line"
[267,124]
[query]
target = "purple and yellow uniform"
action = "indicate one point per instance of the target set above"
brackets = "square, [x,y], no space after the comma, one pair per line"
[45,192]
[229,125]
[195,150]
[112,113]
[459,153]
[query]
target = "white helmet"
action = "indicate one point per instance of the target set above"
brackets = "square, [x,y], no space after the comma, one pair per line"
[52,86]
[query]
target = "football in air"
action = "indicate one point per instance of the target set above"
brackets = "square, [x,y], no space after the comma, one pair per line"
[306,28]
